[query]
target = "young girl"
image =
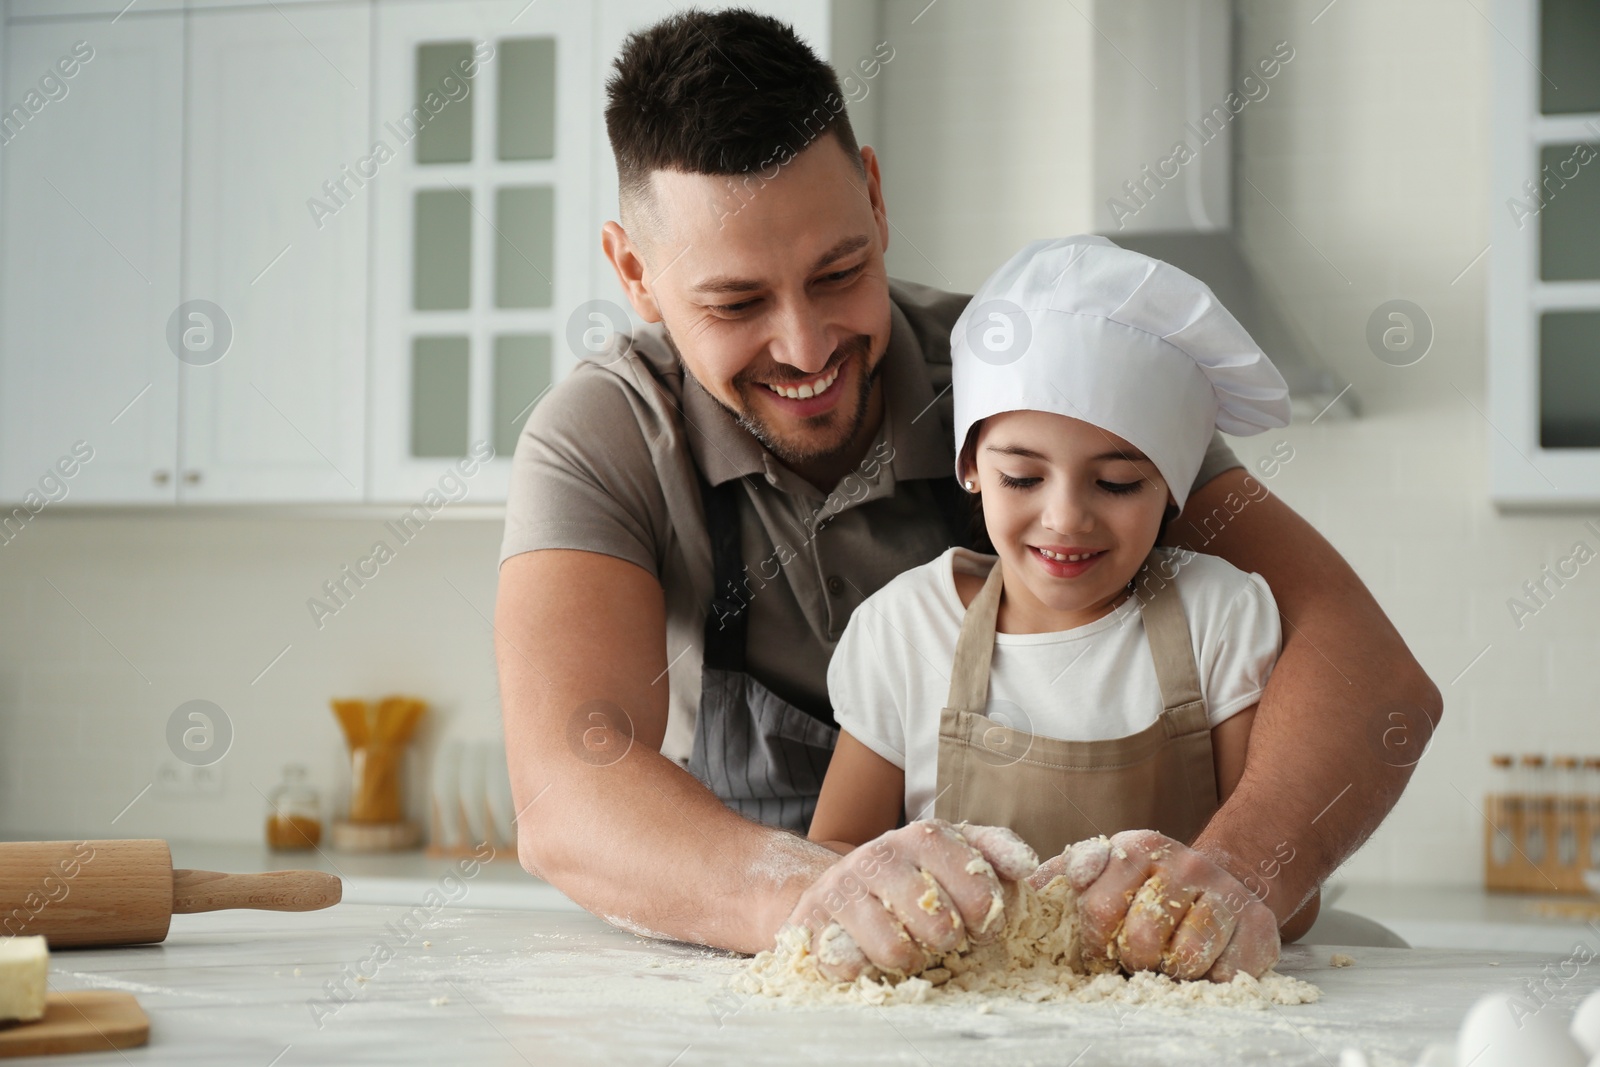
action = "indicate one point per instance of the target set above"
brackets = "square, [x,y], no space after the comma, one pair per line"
[1080,681]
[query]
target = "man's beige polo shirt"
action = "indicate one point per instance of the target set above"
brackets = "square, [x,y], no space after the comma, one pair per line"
[606,463]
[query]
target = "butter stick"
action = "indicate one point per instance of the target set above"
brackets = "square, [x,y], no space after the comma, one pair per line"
[24,963]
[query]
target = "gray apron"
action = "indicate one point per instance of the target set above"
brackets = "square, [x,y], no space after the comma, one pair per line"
[761,755]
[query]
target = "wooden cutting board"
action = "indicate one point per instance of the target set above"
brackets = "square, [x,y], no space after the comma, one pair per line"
[88,1020]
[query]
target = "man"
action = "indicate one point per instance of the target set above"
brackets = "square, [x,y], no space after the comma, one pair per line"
[781,432]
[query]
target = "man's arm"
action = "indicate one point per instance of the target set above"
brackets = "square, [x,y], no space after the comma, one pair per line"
[580,639]
[605,817]
[1343,716]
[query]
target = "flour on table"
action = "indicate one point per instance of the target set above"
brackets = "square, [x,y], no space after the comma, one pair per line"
[1036,959]
[623,922]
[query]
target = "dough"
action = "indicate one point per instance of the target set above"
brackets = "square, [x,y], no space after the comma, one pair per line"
[24,964]
[1037,958]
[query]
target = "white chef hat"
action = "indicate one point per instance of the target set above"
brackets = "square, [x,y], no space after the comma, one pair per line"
[1080,327]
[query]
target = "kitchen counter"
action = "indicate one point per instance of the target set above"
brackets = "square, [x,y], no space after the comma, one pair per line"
[461,985]
[1425,916]
[1469,917]
[386,877]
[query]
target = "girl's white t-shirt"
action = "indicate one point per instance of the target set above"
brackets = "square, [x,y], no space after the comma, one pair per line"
[890,673]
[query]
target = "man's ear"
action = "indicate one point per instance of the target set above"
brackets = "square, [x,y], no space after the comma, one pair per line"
[869,161]
[628,261]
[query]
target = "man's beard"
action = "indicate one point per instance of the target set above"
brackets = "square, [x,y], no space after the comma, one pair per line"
[787,452]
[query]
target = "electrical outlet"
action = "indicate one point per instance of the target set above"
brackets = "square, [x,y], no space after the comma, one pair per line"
[181,781]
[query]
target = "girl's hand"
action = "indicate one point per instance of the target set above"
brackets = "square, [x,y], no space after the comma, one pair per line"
[924,888]
[1153,904]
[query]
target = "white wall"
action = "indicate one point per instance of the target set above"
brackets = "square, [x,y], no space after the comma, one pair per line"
[985,110]
[110,623]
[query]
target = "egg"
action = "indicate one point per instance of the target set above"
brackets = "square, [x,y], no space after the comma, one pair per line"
[1438,1054]
[1586,1024]
[1508,1031]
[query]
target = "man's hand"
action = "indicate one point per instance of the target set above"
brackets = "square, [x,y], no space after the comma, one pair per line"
[1153,904]
[926,887]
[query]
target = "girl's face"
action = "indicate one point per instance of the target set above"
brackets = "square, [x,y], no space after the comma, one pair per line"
[1056,487]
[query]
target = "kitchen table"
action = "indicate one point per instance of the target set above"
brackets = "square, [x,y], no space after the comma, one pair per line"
[374,984]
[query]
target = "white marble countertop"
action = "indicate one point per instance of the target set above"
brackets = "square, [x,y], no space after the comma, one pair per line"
[385,877]
[460,985]
[1426,916]
[1469,917]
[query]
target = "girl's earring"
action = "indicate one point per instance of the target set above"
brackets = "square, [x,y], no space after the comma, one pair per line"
[969,485]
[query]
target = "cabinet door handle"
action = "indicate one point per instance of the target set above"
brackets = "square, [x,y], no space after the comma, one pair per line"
[161,477]
[191,477]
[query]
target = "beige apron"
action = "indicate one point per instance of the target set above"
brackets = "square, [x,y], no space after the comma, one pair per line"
[1055,792]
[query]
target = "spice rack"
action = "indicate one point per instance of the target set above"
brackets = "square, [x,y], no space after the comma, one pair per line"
[1541,824]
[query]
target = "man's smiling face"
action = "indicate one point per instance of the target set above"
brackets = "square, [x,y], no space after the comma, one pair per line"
[774,292]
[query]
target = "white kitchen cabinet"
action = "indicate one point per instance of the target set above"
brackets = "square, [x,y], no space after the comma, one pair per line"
[178,167]
[481,239]
[277,121]
[92,223]
[1544,255]
[394,243]
[485,252]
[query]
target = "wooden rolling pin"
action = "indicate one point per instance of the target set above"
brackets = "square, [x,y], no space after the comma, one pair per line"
[80,893]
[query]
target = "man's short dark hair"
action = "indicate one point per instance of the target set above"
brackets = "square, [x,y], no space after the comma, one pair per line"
[730,92]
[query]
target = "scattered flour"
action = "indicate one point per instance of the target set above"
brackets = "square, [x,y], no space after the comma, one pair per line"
[1036,959]
[1339,959]
[623,922]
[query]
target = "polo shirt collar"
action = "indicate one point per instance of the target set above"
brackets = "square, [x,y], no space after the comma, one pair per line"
[723,449]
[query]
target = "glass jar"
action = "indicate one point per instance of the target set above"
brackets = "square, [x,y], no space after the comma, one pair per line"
[1537,804]
[1591,799]
[1503,809]
[294,822]
[1568,820]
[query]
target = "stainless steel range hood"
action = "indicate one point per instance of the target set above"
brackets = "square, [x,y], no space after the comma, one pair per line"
[1170,90]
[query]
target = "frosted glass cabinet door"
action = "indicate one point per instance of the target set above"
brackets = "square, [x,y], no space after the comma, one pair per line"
[1569,224]
[90,261]
[485,239]
[280,181]
[1569,53]
[1543,291]
[1569,379]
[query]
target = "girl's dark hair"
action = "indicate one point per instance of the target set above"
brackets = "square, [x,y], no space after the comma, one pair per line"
[719,92]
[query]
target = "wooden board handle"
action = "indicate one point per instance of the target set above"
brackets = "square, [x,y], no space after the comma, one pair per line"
[194,891]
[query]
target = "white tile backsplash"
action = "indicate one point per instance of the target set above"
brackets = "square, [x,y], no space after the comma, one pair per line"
[196,606]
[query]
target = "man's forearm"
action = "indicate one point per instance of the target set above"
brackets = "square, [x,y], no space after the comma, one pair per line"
[1344,716]
[645,846]
[601,814]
